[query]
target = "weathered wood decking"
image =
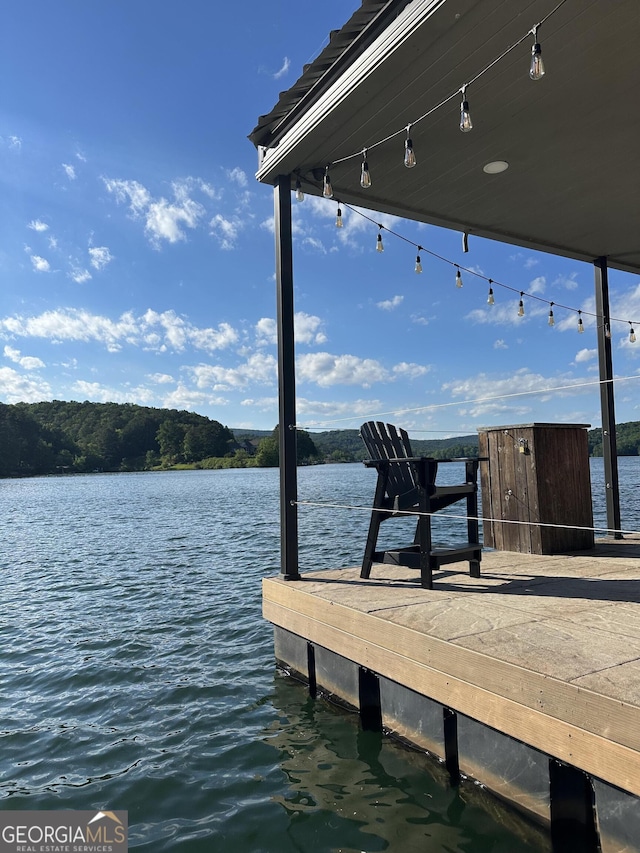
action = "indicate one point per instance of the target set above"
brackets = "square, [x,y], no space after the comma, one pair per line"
[544,649]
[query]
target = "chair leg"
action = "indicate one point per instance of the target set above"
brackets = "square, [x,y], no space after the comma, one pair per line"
[424,541]
[474,568]
[372,539]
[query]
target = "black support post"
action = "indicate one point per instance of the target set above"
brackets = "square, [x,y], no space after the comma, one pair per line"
[609,445]
[286,381]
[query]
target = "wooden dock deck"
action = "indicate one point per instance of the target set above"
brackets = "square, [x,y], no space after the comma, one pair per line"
[538,662]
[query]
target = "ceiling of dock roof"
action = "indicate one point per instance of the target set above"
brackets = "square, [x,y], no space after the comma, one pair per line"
[571,139]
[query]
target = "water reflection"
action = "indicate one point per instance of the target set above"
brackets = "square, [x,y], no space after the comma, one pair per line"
[351,790]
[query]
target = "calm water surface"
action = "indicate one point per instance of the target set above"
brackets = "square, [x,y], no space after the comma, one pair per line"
[137,672]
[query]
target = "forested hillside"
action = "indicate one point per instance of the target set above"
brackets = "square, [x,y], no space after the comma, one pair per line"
[42,438]
[60,437]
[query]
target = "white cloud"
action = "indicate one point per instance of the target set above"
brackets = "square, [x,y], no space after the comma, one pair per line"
[38,225]
[53,243]
[409,370]
[161,378]
[159,332]
[307,330]
[259,368]
[17,388]
[530,263]
[164,220]
[79,275]
[567,281]
[100,256]
[500,344]
[585,355]
[390,304]
[283,69]
[40,264]
[28,362]
[482,391]
[238,176]
[325,369]
[537,285]
[70,171]
[15,142]
[102,394]
[190,399]
[226,230]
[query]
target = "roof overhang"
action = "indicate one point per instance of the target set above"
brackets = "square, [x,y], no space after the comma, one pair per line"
[572,139]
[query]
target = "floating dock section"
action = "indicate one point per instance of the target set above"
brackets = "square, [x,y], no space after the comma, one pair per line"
[526,679]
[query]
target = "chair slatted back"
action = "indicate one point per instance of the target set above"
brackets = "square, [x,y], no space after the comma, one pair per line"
[385,441]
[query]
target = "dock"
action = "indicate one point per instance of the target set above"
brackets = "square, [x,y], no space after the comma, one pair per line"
[526,679]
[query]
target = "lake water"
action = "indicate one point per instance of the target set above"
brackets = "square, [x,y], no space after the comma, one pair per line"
[138,674]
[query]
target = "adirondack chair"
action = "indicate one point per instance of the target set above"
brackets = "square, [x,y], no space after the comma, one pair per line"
[407,483]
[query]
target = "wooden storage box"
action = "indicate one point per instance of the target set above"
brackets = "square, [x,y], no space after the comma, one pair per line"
[539,474]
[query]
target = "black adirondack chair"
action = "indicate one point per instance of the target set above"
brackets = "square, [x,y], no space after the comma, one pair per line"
[407,483]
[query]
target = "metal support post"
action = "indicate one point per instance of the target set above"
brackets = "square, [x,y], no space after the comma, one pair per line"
[286,381]
[609,445]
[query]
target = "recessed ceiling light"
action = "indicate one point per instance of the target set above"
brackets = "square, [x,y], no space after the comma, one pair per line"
[495,167]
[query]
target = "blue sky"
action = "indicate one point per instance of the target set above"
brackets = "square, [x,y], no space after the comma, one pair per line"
[137,256]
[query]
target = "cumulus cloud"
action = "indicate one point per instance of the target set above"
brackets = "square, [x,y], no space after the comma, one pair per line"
[238,176]
[225,230]
[586,355]
[14,142]
[159,332]
[500,344]
[390,304]
[409,370]
[164,219]
[283,69]
[160,378]
[79,275]
[40,264]
[325,369]
[38,225]
[307,330]
[259,368]
[483,390]
[17,388]
[28,362]
[70,171]
[100,256]
[537,285]
[98,393]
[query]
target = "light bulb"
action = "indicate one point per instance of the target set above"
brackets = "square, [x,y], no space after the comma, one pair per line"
[379,243]
[536,69]
[409,154]
[458,279]
[490,298]
[365,177]
[327,189]
[580,323]
[521,305]
[299,193]
[418,264]
[465,116]
[465,242]
[339,219]
[632,336]
[607,331]
[551,321]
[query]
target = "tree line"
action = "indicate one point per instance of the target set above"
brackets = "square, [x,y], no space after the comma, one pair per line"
[72,437]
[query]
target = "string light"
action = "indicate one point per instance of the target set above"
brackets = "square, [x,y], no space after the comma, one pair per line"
[580,323]
[339,222]
[409,153]
[299,193]
[465,116]
[327,189]
[365,177]
[490,281]
[536,69]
